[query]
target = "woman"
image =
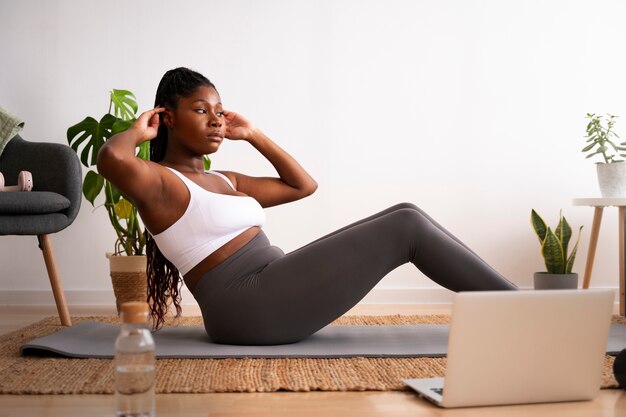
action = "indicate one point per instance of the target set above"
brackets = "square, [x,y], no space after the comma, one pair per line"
[206,226]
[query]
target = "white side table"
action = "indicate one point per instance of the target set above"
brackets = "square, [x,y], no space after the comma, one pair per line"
[598,204]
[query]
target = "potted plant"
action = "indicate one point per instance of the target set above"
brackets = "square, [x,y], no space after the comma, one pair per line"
[611,172]
[554,248]
[128,261]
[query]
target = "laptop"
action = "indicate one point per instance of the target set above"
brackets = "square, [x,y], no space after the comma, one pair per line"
[519,347]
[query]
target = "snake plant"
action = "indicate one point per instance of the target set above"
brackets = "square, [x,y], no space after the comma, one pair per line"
[554,244]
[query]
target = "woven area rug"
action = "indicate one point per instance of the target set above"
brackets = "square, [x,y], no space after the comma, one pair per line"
[33,375]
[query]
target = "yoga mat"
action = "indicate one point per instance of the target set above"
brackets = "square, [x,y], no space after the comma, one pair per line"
[92,339]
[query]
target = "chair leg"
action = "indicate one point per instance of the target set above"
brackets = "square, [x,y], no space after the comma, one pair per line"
[55,280]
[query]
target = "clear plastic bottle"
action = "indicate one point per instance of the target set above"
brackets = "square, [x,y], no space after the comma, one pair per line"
[135,371]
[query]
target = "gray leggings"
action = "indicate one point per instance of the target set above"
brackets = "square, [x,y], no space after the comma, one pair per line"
[262,296]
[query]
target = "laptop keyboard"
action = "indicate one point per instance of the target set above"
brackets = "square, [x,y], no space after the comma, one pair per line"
[437,390]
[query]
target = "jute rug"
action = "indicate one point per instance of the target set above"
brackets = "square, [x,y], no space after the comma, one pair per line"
[33,375]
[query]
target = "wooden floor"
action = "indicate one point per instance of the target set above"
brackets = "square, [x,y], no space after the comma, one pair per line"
[328,404]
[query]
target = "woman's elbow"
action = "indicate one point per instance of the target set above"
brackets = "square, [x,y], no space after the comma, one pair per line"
[310,189]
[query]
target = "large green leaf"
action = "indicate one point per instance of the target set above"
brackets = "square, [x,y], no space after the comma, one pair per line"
[553,254]
[124,104]
[538,225]
[121,126]
[92,185]
[207,163]
[563,233]
[144,151]
[90,135]
[572,257]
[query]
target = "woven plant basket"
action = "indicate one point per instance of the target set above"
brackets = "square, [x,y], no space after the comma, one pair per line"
[129,279]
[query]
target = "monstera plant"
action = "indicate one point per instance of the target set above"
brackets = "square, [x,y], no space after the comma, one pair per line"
[86,138]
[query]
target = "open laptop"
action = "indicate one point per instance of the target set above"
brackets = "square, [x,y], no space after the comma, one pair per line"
[518,347]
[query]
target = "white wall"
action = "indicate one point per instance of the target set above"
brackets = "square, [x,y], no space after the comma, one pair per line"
[474,110]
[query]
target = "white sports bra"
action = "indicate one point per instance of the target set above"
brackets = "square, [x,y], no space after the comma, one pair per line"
[210,221]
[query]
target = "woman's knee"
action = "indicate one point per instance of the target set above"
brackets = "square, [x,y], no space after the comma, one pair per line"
[404,231]
[406,205]
[408,220]
[422,214]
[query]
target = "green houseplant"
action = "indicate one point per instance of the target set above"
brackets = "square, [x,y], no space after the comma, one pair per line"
[554,249]
[128,273]
[600,140]
[86,138]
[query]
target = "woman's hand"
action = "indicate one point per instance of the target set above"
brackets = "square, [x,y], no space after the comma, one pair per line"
[237,126]
[147,124]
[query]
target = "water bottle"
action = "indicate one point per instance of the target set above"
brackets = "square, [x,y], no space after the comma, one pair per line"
[135,371]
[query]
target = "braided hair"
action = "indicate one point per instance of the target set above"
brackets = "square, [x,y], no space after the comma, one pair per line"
[164,279]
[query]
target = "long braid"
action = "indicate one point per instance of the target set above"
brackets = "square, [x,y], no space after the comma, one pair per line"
[164,279]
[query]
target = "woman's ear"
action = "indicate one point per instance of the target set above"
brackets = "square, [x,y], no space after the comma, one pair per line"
[168,118]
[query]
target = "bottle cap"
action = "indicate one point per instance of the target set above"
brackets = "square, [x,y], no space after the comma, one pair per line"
[134,312]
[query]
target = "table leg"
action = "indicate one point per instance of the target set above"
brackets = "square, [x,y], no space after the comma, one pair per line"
[622,265]
[593,244]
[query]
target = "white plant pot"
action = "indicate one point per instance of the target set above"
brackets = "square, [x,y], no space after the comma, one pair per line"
[612,179]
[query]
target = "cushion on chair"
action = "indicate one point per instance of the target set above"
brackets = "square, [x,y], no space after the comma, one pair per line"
[32,224]
[34,202]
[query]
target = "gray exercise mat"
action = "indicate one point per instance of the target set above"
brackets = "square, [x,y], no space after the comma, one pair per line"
[93,339]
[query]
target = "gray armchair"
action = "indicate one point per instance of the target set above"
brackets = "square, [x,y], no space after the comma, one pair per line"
[50,207]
